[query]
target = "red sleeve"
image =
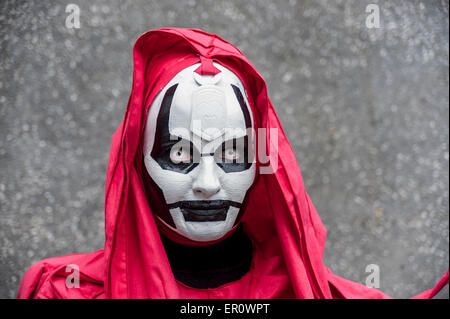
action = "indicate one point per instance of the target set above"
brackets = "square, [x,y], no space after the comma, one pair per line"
[433,291]
[32,280]
[343,288]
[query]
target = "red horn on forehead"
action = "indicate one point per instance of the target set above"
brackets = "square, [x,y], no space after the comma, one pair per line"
[206,67]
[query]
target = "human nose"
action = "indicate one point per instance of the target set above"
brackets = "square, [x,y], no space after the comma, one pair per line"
[206,184]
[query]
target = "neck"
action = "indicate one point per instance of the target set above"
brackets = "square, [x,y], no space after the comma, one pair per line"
[210,266]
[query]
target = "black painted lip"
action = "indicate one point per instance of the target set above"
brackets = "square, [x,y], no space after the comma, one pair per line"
[204,210]
[204,215]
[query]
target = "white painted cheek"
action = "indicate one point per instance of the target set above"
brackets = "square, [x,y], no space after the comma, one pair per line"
[236,184]
[174,185]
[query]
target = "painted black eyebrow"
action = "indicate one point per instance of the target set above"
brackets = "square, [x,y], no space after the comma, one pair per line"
[162,133]
[164,141]
[162,127]
[240,98]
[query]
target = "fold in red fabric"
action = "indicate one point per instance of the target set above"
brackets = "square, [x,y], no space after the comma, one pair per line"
[287,234]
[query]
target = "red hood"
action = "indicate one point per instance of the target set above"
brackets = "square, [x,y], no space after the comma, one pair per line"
[287,233]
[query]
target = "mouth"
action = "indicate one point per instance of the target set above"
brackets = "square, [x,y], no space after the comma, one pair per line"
[204,210]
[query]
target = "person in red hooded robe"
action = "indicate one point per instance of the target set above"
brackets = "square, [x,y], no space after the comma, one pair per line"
[272,248]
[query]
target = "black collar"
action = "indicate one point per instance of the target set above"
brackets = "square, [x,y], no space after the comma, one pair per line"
[210,266]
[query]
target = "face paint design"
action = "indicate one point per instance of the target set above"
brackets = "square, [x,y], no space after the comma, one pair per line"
[198,152]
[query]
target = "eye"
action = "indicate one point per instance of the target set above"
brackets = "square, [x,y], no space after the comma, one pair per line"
[231,154]
[234,155]
[180,154]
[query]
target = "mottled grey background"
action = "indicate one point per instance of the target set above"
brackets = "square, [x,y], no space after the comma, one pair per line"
[366,111]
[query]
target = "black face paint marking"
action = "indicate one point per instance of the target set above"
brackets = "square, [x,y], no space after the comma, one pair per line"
[241,145]
[156,200]
[206,154]
[204,204]
[204,210]
[164,145]
[241,148]
[204,215]
[240,97]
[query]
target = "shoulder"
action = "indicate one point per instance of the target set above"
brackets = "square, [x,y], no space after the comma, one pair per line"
[342,288]
[78,276]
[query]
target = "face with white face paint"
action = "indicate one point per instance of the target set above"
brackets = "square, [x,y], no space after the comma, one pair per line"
[198,152]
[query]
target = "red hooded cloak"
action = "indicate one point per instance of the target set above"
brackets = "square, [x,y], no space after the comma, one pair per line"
[287,234]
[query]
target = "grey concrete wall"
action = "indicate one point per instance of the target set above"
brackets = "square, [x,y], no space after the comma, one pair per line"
[366,111]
